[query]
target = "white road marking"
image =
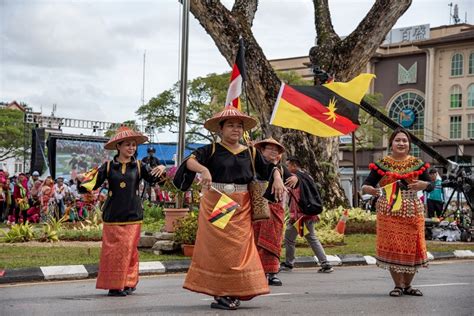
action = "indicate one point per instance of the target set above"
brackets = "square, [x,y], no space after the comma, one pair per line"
[442,284]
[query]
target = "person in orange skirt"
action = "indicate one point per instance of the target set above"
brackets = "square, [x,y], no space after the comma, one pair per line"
[122,212]
[226,264]
[401,246]
[269,233]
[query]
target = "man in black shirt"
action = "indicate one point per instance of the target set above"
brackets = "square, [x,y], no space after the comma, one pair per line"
[150,161]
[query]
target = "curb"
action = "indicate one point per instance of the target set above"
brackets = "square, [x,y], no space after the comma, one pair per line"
[75,272]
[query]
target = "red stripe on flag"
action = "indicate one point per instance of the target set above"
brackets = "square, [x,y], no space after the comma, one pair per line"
[316,110]
[235,72]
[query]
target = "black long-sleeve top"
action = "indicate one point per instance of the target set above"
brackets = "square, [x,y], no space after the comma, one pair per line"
[123,204]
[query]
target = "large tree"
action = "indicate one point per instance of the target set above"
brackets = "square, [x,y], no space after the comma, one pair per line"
[12,136]
[344,58]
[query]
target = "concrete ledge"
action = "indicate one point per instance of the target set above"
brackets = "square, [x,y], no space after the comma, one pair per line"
[92,269]
[21,275]
[64,272]
[370,260]
[177,266]
[151,267]
[443,255]
[306,262]
[463,254]
[353,259]
[334,260]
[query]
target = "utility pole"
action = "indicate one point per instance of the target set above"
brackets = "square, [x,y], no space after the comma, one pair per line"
[183,80]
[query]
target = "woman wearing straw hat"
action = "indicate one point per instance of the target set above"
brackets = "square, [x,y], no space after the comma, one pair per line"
[226,264]
[269,233]
[122,211]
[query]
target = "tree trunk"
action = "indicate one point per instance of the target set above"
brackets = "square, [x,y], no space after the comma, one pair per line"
[344,58]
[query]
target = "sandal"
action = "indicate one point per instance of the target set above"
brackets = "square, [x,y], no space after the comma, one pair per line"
[396,292]
[223,303]
[412,291]
[234,300]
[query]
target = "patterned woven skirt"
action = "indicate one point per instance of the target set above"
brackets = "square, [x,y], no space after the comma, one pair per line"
[226,261]
[268,238]
[401,245]
[118,266]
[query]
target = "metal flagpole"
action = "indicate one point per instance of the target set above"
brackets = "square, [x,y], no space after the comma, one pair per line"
[183,80]
[355,196]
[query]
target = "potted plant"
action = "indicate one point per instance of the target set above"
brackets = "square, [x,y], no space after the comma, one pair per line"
[181,202]
[186,231]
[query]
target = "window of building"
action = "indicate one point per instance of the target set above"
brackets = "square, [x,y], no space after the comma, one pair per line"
[455,124]
[408,109]
[470,96]
[456,97]
[470,126]
[471,63]
[18,167]
[456,65]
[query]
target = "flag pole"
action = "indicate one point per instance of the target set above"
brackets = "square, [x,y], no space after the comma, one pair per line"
[355,196]
[183,81]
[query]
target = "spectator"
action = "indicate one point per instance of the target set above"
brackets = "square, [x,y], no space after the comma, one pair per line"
[60,192]
[31,181]
[435,198]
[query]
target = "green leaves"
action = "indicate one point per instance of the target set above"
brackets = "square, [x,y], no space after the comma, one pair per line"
[12,133]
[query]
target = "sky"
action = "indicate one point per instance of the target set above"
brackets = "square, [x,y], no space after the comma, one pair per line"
[86,56]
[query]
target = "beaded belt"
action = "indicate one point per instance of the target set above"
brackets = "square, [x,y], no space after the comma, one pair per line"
[406,194]
[409,195]
[230,188]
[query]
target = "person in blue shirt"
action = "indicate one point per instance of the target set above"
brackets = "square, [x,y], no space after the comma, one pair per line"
[435,198]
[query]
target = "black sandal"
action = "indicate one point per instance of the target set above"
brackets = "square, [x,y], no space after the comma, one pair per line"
[412,291]
[396,292]
[223,303]
[235,300]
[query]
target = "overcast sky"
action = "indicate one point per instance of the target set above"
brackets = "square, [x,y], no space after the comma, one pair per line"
[87,56]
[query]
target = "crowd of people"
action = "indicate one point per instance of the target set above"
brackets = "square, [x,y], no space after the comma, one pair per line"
[27,198]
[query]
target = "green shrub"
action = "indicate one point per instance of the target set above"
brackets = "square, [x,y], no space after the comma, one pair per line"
[186,229]
[19,233]
[152,212]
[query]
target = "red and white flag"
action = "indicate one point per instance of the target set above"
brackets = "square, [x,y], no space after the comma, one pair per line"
[237,78]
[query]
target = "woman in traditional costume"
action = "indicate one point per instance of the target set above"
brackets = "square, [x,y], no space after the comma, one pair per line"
[269,233]
[226,263]
[401,246]
[122,212]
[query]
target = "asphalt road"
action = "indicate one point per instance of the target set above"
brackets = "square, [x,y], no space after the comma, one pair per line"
[362,290]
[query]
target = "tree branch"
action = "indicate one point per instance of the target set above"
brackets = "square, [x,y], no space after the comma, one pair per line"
[322,20]
[374,27]
[246,9]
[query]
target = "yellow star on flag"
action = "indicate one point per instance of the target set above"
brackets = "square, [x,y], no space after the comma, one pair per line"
[332,110]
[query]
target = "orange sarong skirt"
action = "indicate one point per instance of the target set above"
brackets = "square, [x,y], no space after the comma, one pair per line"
[226,261]
[401,245]
[118,266]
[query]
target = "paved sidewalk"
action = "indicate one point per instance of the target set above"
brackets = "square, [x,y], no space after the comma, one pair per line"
[73,272]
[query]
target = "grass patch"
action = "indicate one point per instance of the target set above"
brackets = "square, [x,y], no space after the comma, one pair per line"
[18,256]
[365,244]
[22,256]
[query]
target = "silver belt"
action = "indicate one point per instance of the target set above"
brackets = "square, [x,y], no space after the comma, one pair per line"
[230,188]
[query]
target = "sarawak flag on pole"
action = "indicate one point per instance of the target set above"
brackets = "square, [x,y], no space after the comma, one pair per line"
[237,78]
[90,179]
[300,227]
[223,211]
[331,109]
[393,196]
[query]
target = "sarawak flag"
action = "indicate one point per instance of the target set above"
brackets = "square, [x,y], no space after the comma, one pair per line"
[237,78]
[331,109]
[90,179]
[393,196]
[300,227]
[223,211]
